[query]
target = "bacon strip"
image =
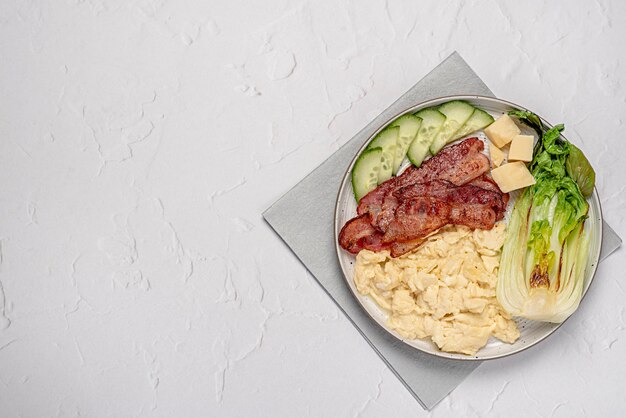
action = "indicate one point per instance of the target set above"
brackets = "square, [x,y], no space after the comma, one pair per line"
[358,233]
[402,247]
[467,194]
[475,216]
[457,164]
[416,218]
[486,182]
[451,188]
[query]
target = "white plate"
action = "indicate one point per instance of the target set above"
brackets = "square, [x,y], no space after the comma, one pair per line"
[532,332]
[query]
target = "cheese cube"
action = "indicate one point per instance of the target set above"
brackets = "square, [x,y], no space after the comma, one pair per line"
[502,131]
[512,176]
[521,148]
[496,154]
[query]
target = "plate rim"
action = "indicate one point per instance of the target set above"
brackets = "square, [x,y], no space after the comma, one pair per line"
[338,249]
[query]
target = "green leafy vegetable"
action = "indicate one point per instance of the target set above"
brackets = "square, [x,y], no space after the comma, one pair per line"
[578,167]
[530,119]
[545,250]
[580,170]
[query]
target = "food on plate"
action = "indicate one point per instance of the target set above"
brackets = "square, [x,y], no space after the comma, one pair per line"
[432,120]
[576,164]
[365,172]
[512,176]
[420,135]
[444,290]
[580,170]
[479,120]
[432,247]
[441,202]
[502,131]
[358,234]
[521,148]
[449,188]
[457,164]
[386,140]
[456,113]
[408,125]
[545,251]
[496,154]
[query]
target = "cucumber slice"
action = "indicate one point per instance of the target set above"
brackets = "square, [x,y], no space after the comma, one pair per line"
[409,125]
[432,121]
[457,113]
[386,140]
[365,172]
[479,120]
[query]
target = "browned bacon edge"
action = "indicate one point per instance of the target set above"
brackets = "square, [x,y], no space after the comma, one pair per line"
[358,233]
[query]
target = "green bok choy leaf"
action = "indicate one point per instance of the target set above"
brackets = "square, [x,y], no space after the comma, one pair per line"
[545,251]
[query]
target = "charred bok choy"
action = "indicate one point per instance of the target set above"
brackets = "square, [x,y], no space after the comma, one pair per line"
[545,252]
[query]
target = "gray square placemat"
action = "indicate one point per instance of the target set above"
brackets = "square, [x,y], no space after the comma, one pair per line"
[428,378]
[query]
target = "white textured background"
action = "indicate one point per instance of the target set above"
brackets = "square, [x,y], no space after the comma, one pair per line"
[141,140]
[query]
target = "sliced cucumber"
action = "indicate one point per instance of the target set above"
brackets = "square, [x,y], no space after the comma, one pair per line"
[457,113]
[386,140]
[432,121]
[409,125]
[479,120]
[365,172]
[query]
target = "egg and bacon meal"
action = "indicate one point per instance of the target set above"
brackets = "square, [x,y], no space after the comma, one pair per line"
[432,246]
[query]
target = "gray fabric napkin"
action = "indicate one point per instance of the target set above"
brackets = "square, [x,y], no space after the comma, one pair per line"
[429,379]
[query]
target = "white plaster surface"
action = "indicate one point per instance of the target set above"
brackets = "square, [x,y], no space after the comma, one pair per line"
[141,140]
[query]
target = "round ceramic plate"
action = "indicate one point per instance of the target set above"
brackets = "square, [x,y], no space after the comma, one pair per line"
[532,332]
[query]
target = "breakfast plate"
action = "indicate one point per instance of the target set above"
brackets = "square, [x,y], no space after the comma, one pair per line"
[531,332]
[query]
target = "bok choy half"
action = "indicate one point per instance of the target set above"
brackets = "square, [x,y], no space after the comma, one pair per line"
[545,251]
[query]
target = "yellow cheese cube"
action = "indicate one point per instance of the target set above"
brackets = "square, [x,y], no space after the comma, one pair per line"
[512,176]
[502,131]
[496,154]
[521,148]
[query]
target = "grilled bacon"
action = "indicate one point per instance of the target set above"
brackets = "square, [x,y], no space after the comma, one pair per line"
[449,188]
[458,164]
[358,233]
[416,218]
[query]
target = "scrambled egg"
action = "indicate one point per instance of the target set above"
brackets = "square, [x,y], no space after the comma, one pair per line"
[445,289]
